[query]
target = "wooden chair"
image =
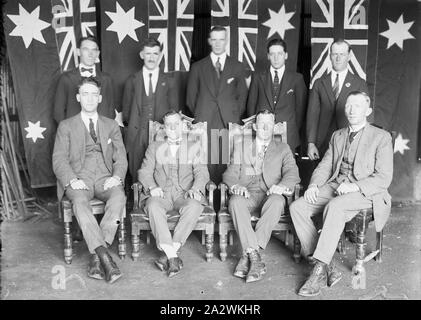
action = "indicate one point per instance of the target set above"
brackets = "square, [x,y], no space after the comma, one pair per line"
[206,222]
[98,207]
[358,228]
[225,224]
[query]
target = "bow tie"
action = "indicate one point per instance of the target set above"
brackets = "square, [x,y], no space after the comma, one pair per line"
[82,69]
[174,142]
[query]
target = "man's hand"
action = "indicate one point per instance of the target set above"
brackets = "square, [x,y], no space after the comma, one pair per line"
[111,182]
[79,185]
[157,192]
[196,195]
[311,194]
[347,187]
[312,152]
[241,191]
[277,190]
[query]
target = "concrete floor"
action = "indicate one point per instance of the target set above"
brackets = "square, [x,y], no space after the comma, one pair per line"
[32,257]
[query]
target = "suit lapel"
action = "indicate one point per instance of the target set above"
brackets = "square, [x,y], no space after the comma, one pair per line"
[285,84]
[340,146]
[160,86]
[210,76]
[267,84]
[138,82]
[362,145]
[79,129]
[346,86]
[75,76]
[327,83]
[225,74]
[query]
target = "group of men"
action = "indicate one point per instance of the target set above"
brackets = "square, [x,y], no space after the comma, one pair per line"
[90,159]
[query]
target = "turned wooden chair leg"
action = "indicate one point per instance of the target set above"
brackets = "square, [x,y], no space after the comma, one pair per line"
[359,273]
[148,237]
[68,243]
[231,238]
[209,244]
[223,235]
[297,248]
[379,246]
[135,246]
[341,243]
[122,239]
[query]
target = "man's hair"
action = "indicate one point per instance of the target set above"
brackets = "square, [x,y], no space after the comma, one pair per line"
[340,41]
[217,28]
[150,43]
[360,93]
[277,42]
[265,112]
[90,80]
[90,38]
[170,113]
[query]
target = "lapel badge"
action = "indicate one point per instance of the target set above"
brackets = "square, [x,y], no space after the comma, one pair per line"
[347,84]
[163,84]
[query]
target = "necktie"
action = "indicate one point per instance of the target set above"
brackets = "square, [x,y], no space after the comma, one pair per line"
[276,78]
[91,70]
[352,136]
[150,85]
[262,152]
[276,87]
[218,68]
[92,130]
[335,87]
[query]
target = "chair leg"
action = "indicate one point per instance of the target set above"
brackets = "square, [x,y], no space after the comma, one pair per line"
[68,243]
[209,244]
[148,237]
[359,273]
[135,246]
[231,238]
[297,248]
[122,239]
[379,246]
[223,235]
[341,243]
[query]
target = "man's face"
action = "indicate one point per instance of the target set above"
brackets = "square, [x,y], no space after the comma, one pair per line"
[218,42]
[88,52]
[277,56]
[173,126]
[151,57]
[264,126]
[89,97]
[339,56]
[357,109]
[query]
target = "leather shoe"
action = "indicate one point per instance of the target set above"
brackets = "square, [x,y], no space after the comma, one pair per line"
[242,267]
[174,266]
[333,274]
[112,272]
[162,262]
[95,269]
[257,267]
[316,281]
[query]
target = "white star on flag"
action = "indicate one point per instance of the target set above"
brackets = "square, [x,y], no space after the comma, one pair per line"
[401,144]
[34,131]
[119,118]
[124,23]
[398,32]
[28,25]
[279,22]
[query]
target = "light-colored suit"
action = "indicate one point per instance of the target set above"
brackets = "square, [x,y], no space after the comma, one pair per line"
[278,168]
[155,172]
[373,171]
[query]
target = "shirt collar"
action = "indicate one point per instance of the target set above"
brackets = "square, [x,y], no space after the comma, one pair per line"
[342,74]
[260,142]
[222,57]
[358,128]
[154,72]
[86,117]
[281,71]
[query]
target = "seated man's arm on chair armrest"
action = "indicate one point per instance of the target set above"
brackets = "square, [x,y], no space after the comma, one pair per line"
[290,175]
[119,153]
[146,172]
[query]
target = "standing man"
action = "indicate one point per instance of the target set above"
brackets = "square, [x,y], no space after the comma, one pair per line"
[148,95]
[216,93]
[174,179]
[89,161]
[281,91]
[65,103]
[260,173]
[326,107]
[354,174]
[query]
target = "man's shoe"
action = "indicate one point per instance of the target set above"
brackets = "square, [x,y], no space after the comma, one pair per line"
[174,266]
[316,281]
[242,267]
[162,262]
[333,274]
[95,269]
[257,267]
[112,272]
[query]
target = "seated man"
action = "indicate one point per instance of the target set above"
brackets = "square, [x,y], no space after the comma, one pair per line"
[89,161]
[175,179]
[260,172]
[354,174]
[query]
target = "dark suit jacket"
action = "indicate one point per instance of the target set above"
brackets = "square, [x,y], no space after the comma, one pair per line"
[323,115]
[207,97]
[373,167]
[291,103]
[279,165]
[69,149]
[136,138]
[65,103]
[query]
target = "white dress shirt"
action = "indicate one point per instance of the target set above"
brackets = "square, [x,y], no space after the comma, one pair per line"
[85,119]
[222,57]
[87,73]
[342,76]
[155,75]
[281,71]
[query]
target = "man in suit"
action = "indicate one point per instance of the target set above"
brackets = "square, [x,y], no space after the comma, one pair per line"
[216,93]
[174,179]
[65,103]
[354,174]
[283,91]
[326,107]
[148,95]
[89,161]
[261,171]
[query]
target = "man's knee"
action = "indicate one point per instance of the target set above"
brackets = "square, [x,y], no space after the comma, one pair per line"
[153,206]
[276,200]
[192,204]
[236,200]
[334,207]
[297,207]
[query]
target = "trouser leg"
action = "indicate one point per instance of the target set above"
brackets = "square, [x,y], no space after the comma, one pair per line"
[190,211]
[156,208]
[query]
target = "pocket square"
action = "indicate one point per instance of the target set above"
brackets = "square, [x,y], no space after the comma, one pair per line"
[230,80]
[109,141]
[290,91]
